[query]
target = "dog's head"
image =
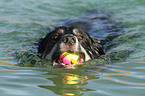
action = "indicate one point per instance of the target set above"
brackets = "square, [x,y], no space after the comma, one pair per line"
[71,39]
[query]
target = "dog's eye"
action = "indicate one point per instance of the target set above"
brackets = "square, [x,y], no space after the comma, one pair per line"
[55,37]
[80,37]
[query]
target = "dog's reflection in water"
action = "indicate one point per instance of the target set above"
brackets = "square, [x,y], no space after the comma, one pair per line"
[69,84]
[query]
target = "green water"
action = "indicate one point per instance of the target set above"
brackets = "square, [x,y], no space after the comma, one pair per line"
[23,22]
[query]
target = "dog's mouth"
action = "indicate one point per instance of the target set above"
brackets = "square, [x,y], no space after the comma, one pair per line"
[58,62]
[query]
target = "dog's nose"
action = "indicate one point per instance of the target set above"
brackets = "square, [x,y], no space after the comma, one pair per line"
[69,40]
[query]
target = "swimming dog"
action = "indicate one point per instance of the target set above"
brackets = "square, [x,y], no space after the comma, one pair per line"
[69,38]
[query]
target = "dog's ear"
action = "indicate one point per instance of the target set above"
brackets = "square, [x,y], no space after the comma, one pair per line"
[45,44]
[97,50]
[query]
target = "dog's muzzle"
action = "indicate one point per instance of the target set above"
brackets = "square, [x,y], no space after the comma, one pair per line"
[70,40]
[67,43]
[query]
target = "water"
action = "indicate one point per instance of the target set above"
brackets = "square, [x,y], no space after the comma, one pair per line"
[23,22]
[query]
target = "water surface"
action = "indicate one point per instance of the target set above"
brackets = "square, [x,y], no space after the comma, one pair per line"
[23,22]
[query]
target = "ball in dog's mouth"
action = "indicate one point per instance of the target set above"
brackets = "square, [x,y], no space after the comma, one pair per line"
[68,59]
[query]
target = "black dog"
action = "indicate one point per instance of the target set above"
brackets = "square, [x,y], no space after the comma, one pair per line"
[69,38]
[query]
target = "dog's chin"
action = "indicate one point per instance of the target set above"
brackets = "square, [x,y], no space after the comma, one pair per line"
[57,62]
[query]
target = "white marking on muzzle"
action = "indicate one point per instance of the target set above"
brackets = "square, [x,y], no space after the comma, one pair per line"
[87,57]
